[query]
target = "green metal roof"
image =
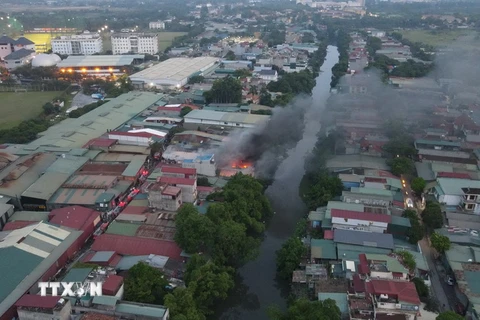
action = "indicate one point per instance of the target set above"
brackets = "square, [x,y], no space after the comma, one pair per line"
[15,265]
[473,280]
[345,206]
[123,228]
[105,300]
[438,143]
[392,264]
[349,252]
[339,298]
[134,167]
[420,261]
[77,132]
[77,274]
[400,221]
[141,310]
[454,186]
[323,249]
[29,216]
[380,192]
[315,216]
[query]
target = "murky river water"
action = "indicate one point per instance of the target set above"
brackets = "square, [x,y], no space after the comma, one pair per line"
[257,287]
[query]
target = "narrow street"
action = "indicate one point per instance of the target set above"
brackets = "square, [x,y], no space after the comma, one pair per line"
[437,275]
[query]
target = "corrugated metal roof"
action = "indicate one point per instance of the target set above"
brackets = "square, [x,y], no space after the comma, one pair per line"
[232,117]
[323,249]
[15,225]
[105,300]
[125,245]
[36,301]
[134,166]
[366,216]
[141,310]
[77,275]
[99,61]
[123,228]
[127,262]
[102,256]
[454,186]
[132,103]
[29,216]
[368,239]
[112,283]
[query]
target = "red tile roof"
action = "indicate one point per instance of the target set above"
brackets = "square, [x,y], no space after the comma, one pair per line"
[172,109]
[205,189]
[36,301]
[363,266]
[328,234]
[358,284]
[75,217]
[454,175]
[112,284]
[366,216]
[177,181]
[96,316]
[14,225]
[403,291]
[399,204]
[171,169]
[135,246]
[131,134]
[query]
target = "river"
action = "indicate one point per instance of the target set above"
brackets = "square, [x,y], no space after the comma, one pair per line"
[257,287]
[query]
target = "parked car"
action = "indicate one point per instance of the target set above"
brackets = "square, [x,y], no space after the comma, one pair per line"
[409,203]
[450,281]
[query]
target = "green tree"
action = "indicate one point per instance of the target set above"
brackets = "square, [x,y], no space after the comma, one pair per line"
[48,108]
[182,305]
[307,37]
[422,288]
[449,315]
[303,309]
[242,73]
[321,188]
[145,284]
[418,185]
[230,56]
[210,283]
[184,111]
[432,215]
[196,79]
[226,90]
[400,145]
[440,242]
[401,165]
[416,231]
[373,44]
[289,257]
[266,98]
[194,232]
[408,260]
[203,181]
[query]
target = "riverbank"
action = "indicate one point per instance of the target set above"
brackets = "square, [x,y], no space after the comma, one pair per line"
[257,287]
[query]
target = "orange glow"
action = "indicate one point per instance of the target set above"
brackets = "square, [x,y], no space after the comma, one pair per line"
[110,69]
[62,70]
[84,70]
[70,70]
[97,69]
[241,165]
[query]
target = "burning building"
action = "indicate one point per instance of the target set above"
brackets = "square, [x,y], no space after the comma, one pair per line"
[237,166]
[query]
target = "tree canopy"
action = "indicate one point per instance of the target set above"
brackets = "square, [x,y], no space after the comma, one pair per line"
[440,242]
[418,185]
[182,305]
[194,232]
[289,257]
[432,215]
[303,309]
[401,165]
[449,315]
[322,188]
[145,284]
[226,90]
[422,288]
[294,82]
[408,260]
[184,111]
[417,231]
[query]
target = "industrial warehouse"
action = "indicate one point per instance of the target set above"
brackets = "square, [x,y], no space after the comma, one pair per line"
[99,65]
[174,72]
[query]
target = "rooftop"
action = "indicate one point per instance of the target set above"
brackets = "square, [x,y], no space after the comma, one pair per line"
[454,186]
[392,264]
[366,216]
[123,228]
[403,291]
[99,61]
[75,133]
[75,217]
[368,239]
[323,249]
[232,117]
[174,69]
[19,54]
[36,301]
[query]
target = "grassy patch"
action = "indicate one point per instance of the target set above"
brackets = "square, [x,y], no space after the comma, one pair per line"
[435,37]
[165,39]
[19,106]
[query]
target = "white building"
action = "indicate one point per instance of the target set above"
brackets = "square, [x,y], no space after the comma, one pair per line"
[9,45]
[135,43]
[18,58]
[458,192]
[139,137]
[157,25]
[360,221]
[86,43]
[267,75]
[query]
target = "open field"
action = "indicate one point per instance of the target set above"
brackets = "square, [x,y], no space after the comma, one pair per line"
[19,106]
[435,37]
[165,39]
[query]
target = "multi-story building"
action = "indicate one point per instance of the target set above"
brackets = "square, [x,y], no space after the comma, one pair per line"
[9,45]
[164,196]
[156,25]
[188,187]
[86,43]
[134,43]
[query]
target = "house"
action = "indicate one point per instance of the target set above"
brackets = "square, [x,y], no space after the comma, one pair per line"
[367,239]
[455,193]
[380,266]
[178,172]
[37,307]
[164,196]
[18,58]
[267,75]
[362,221]
[187,185]
[397,297]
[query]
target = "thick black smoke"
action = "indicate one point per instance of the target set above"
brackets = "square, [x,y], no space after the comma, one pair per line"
[266,145]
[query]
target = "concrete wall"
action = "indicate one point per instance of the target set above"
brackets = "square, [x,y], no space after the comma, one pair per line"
[157,200]
[63,314]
